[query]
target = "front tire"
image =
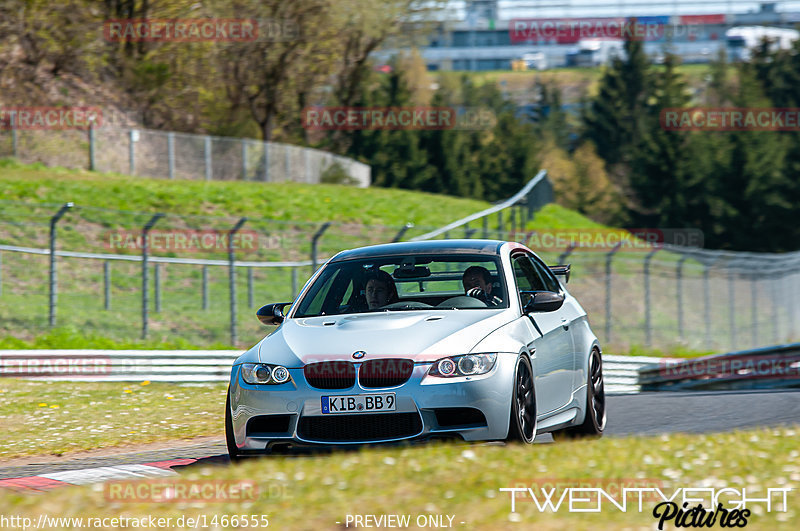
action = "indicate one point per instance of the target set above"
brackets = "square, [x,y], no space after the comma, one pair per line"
[230,441]
[595,421]
[522,424]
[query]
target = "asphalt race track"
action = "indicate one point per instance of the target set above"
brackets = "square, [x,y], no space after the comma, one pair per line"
[700,411]
[642,414]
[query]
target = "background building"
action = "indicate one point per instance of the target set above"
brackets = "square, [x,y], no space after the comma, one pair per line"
[479,36]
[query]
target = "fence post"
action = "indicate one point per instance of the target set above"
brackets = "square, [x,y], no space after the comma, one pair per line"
[14,139]
[732,305]
[207,157]
[205,287]
[679,293]
[171,154]
[485,221]
[132,151]
[107,284]
[307,164]
[774,285]
[500,225]
[266,161]
[145,302]
[562,259]
[314,243]
[789,290]
[157,279]
[232,277]
[609,256]
[753,306]
[294,282]
[402,232]
[287,163]
[53,279]
[648,325]
[92,139]
[513,216]
[707,303]
[249,287]
[244,160]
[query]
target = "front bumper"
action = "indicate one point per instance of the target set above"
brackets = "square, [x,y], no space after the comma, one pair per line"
[264,415]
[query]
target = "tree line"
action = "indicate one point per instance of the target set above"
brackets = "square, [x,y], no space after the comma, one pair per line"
[612,161]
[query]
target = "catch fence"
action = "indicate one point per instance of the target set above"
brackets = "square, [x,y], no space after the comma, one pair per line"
[661,296]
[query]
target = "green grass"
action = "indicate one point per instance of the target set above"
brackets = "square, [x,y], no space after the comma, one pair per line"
[463,480]
[274,201]
[40,417]
[284,211]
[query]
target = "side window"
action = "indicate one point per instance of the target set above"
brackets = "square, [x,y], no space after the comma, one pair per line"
[549,280]
[526,277]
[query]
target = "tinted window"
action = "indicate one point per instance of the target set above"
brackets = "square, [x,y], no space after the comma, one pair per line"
[402,283]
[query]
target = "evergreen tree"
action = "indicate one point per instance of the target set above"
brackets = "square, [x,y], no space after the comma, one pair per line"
[613,121]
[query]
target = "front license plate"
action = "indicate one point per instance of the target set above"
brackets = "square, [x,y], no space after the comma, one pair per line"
[358,403]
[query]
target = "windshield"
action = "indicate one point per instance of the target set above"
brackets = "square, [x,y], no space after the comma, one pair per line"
[403,283]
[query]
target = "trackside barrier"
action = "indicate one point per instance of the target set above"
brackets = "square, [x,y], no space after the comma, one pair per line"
[762,368]
[524,196]
[620,372]
[118,365]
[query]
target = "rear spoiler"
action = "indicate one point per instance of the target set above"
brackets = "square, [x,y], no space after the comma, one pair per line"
[561,270]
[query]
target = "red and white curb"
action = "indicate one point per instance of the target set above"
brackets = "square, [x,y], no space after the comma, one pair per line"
[86,476]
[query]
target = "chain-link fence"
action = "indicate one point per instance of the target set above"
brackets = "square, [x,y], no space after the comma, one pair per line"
[186,293]
[636,293]
[169,155]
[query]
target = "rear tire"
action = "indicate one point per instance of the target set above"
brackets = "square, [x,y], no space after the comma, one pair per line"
[230,441]
[595,421]
[522,424]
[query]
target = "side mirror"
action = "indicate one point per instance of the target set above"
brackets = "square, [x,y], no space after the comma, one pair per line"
[543,301]
[272,314]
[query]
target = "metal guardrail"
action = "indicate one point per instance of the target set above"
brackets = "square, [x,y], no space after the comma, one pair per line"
[510,202]
[762,368]
[118,365]
[621,372]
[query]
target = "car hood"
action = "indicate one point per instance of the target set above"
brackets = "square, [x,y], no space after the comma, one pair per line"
[418,335]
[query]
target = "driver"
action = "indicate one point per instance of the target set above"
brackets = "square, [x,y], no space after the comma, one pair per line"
[380,289]
[478,284]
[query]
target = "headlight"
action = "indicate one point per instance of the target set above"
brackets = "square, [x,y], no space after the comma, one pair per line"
[261,373]
[466,365]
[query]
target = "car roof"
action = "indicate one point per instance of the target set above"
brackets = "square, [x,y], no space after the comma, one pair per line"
[486,247]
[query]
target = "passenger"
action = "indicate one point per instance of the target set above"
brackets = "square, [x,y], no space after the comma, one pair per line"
[478,284]
[380,289]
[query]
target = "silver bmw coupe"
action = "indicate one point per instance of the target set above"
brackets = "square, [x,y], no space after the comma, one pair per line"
[468,339]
